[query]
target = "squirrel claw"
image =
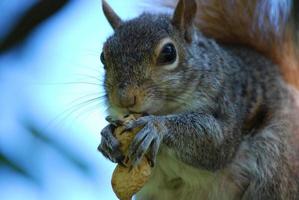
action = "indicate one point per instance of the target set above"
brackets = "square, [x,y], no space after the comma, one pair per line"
[147,141]
[109,146]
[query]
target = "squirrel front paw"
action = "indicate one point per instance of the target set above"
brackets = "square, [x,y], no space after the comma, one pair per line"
[147,140]
[109,146]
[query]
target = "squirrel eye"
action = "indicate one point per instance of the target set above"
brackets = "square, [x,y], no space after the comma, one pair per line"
[167,54]
[103,58]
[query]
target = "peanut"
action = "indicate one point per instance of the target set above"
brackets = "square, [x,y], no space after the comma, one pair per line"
[127,180]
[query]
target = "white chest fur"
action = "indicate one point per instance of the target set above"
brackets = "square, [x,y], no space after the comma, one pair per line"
[173,179]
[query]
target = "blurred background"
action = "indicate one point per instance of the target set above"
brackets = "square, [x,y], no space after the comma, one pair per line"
[51,106]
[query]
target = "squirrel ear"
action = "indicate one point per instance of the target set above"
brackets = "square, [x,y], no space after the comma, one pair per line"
[111,16]
[183,17]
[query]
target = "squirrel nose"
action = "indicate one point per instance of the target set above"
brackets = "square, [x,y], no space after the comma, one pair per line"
[127,98]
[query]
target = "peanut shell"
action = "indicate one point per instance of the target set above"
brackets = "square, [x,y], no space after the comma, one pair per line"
[127,180]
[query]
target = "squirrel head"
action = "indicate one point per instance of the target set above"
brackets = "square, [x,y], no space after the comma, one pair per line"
[150,61]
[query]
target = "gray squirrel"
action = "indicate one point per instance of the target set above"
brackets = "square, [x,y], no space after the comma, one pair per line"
[219,112]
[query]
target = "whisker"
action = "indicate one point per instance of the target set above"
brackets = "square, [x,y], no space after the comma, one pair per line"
[77,107]
[97,78]
[74,83]
[87,110]
[85,96]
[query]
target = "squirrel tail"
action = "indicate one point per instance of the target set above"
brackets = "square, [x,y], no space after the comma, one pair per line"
[269,26]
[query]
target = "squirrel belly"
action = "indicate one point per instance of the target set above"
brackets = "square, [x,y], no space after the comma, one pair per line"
[173,179]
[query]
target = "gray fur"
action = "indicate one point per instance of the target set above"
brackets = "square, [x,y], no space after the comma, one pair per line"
[221,114]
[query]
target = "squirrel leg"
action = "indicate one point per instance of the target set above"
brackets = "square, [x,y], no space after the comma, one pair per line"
[192,136]
[262,166]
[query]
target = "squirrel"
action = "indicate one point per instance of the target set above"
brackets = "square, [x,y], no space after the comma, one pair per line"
[216,84]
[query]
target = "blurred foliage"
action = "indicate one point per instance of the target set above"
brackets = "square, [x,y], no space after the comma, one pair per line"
[43,137]
[32,18]
[6,162]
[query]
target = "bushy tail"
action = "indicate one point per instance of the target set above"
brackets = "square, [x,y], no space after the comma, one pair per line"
[269,26]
